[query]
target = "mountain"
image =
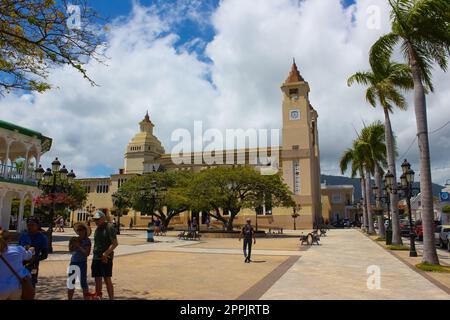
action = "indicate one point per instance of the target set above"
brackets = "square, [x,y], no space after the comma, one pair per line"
[339,180]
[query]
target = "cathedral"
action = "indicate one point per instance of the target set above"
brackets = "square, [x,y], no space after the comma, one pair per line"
[298,163]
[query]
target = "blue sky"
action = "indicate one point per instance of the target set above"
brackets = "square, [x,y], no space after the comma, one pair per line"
[220,62]
[186,29]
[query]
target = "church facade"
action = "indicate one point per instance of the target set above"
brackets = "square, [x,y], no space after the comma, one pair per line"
[298,161]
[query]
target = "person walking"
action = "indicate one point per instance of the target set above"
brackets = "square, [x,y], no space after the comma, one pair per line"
[247,233]
[207,222]
[80,248]
[105,241]
[131,223]
[12,268]
[34,238]
[194,224]
[61,223]
[157,227]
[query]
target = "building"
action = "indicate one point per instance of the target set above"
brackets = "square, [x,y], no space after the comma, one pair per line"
[338,203]
[444,201]
[298,163]
[20,153]
[416,207]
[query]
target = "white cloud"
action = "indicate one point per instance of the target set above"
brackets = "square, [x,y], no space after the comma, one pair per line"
[251,55]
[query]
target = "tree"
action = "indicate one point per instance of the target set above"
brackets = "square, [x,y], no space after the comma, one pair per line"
[71,197]
[384,83]
[372,146]
[224,191]
[40,34]
[446,209]
[354,157]
[144,194]
[422,28]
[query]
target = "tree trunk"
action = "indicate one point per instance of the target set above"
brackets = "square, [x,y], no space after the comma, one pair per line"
[429,247]
[390,149]
[369,207]
[363,193]
[381,229]
[230,223]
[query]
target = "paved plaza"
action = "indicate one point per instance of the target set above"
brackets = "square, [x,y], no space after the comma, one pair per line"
[281,269]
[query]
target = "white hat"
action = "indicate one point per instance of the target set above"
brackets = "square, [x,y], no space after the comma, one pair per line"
[98,214]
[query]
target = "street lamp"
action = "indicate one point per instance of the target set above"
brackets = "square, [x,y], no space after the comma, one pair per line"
[52,181]
[385,198]
[295,215]
[406,185]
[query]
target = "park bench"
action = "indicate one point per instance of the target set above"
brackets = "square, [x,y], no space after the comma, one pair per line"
[310,239]
[189,235]
[320,232]
[276,230]
[161,231]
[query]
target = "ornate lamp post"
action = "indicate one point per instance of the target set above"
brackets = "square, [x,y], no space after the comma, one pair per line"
[406,182]
[385,198]
[52,181]
[297,207]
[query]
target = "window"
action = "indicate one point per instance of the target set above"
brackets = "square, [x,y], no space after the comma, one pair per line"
[295,147]
[103,187]
[296,174]
[293,94]
[336,198]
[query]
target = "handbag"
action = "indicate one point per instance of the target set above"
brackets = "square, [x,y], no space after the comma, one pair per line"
[28,291]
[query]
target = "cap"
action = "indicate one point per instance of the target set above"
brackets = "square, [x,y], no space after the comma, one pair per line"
[34,220]
[98,214]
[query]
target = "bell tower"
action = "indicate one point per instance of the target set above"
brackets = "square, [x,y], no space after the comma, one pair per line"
[143,149]
[300,152]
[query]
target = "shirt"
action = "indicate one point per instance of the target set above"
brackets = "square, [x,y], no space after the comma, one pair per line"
[103,238]
[15,255]
[77,256]
[247,230]
[39,242]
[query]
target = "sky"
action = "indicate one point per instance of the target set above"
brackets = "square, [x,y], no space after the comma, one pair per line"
[221,62]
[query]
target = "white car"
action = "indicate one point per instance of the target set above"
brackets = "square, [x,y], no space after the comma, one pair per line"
[442,236]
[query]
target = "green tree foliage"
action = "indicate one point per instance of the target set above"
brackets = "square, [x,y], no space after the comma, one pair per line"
[224,191]
[38,35]
[421,28]
[140,194]
[216,191]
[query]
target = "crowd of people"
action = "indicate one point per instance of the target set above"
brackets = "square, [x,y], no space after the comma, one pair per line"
[19,263]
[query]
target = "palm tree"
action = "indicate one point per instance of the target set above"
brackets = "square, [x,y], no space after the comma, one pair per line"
[384,82]
[372,145]
[422,29]
[354,157]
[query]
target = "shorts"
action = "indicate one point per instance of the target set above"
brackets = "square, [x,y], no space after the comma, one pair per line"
[100,269]
[83,274]
[15,294]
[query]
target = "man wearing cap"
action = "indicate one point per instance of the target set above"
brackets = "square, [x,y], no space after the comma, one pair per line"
[248,233]
[105,241]
[34,238]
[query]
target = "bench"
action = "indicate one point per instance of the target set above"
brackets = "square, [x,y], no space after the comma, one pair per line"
[310,239]
[189,235]
[320,232]
[276,230]
[161,231]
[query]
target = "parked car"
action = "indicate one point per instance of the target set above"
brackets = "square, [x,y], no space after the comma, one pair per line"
[442,236]
[347,223]
[418,229]
[404,227]
[338,224]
